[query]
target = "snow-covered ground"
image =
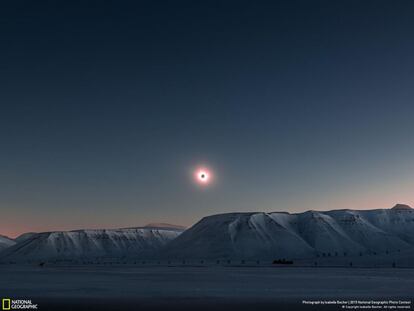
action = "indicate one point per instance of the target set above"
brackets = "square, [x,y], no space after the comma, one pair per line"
[171,288]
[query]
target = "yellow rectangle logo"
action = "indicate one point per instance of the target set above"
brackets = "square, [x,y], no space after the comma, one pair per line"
[5,304]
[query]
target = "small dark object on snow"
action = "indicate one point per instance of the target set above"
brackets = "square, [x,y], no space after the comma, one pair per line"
[282,262]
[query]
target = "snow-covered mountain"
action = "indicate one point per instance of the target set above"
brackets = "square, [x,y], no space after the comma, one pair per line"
[162,225]
[341,234]
[91,244]
[303,235]
[24,236]
[5,242]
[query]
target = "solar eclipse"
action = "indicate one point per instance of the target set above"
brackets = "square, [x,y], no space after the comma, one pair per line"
[203,176]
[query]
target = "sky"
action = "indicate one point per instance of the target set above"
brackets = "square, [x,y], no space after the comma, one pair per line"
[106,108]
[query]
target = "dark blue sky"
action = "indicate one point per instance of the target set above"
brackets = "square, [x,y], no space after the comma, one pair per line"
[107,106]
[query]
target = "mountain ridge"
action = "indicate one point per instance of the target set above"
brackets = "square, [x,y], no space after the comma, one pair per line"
[296,235]
[6,242]
[89,243]
[235,235]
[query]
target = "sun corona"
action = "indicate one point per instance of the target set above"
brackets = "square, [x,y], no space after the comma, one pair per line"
[202,176]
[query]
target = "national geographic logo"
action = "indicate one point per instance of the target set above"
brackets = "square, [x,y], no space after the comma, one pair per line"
[5,304]
[17,304]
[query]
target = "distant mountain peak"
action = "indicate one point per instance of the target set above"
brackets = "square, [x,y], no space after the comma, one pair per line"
[5,236]
[164,225]
[399,206]
[6,242]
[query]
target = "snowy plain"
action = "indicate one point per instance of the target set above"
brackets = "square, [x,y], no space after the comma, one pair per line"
[128,287]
